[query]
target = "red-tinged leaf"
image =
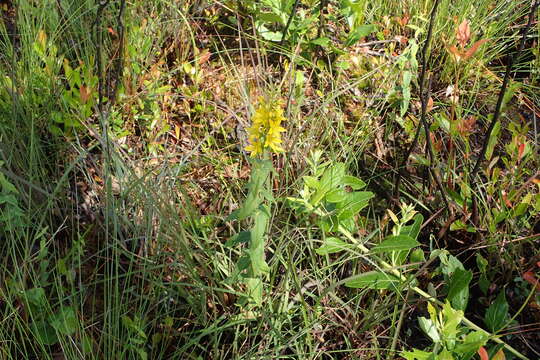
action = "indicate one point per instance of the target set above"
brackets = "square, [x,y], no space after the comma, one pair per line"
[529,277]
[463,33]
[458,55]
[472,50]
[429,104]
[505,199]
[483,353]
[499,355]
[521,150]
[112,32]
[538,264]
[466,126]
[85,92]
[205,56]
[403,20]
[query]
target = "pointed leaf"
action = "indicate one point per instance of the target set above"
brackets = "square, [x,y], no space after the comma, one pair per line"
[355,202]
[354,182]
[483,353]
[413,230]
[396,243]
[497,313]
[471,343]
[470,52]
[416,355]
[458,289]
[332,245]
[374,280]
[358,33]
[241,237]
[429,328]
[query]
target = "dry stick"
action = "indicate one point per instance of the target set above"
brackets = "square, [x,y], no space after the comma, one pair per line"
[497,112]
[323,5]
[432,159]
[293,11]
[424,97]
[102,117]
[119,66]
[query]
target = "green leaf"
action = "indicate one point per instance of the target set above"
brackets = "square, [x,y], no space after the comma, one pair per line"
[269,18]
[417,355]
[406,92]
[413,230]
[332,245]
[429,328]
[458,288]
[481,262]
[259,173]
[497,313]
[354,182]
[355,202]
[452,319]
[483,283]
[395,243]
[331,179]
[65,321]
[417,256]
[449,263]
[256,246]
[445,355]
[311,182]
[493,140]
[471,343]
[322,41]
[336,196]
[458,225]
[374,280]
[255,290]
[241,237]
[358,33]
[7,186]
[44,332]
[36,297]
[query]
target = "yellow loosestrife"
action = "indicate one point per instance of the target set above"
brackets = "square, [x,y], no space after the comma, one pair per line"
[265,131]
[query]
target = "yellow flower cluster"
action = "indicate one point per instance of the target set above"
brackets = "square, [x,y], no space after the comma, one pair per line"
[265,131]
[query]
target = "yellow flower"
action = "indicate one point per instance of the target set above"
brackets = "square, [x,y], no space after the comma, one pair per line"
[265,130]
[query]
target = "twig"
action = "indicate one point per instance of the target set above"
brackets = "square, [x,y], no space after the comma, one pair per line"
[99,42]
[424,97]
[533,237]
[423,75]
[497,112]
[393,345]
[291,16]
[322,6]
[119,61]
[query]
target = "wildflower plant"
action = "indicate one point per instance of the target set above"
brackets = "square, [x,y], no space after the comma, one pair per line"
[264,139]
[265,131]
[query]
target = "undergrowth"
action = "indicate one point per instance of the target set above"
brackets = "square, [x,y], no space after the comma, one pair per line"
[269,179]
